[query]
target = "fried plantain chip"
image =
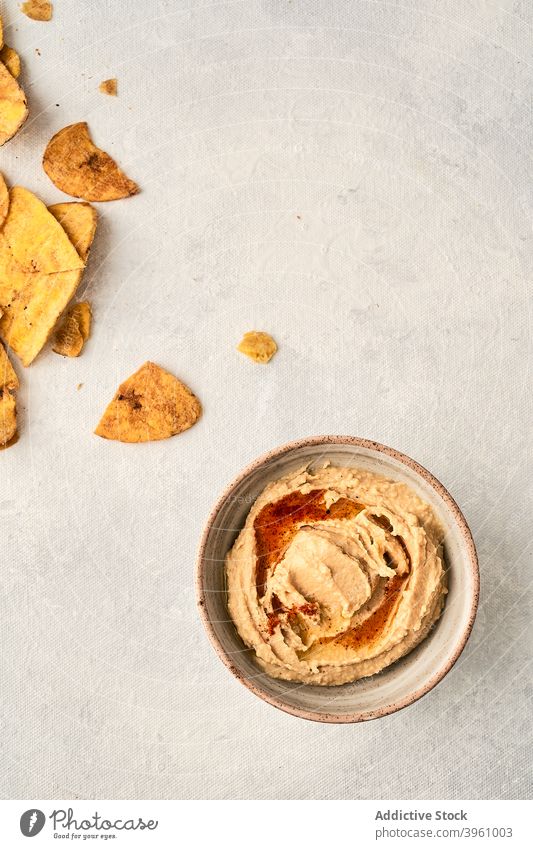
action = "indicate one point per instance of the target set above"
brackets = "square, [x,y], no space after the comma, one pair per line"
[4,200]
[74,330]
[78,220]
[108,86]
[8,377]
[37,10]
[152,404]
[8,418]
[9,382]
[257,345]
[79,168]
[33,302]
[11,60]
[35,238]
[13,108]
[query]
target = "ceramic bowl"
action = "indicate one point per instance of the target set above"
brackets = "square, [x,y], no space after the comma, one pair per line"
[398,685]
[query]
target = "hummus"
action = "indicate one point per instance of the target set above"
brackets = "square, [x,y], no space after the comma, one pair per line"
[336,574]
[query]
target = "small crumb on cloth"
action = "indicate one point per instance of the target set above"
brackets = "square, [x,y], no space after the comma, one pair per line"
[109,87]
[257,345]
[37,10]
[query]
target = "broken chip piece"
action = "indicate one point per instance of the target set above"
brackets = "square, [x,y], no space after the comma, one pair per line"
[8,376]
[109,87]
[8,418]
[257,345]
[33,301]
[8,410]
[78,220]
[76,166]
[37,10]
[11,60]
[152,404]
[4,200]
[13,107]
[74,330]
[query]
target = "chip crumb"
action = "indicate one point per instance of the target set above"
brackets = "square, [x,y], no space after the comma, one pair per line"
[259,346]
[11,60]
[37,10]
[150,405]
[109,86]
[79,386]
[76,166]
[74,330]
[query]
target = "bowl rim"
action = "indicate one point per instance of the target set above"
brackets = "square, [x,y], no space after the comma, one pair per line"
[356,442]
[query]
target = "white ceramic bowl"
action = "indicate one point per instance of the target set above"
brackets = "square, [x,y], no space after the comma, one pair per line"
[398,685]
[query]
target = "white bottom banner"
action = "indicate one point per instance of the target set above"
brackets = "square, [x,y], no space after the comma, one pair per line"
[261,824]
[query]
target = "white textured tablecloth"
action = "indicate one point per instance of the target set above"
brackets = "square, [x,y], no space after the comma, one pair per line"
[355,178]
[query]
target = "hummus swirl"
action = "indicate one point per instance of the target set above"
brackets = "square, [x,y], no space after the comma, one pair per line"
[335,575]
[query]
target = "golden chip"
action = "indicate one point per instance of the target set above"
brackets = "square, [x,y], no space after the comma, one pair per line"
[13,108]
[74,330]
[8,412]
[78,220]
[33,302]
[37,241]
[109,87]
[8,418]
[1,33]
[257,345]
[4,200]
[11,60]
[151,404]
[8,377]
[79,168]
[37,10]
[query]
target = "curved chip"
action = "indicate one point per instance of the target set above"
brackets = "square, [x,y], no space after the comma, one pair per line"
[74,330]
[76,166]
[257,345]
[152,404]
[13,107]
[11,60]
